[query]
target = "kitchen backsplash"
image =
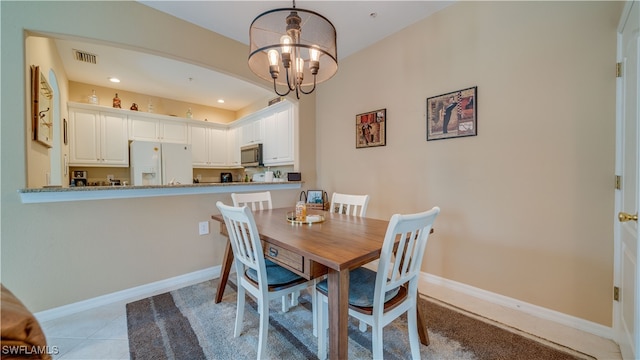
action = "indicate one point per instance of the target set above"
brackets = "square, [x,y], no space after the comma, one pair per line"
[98,176]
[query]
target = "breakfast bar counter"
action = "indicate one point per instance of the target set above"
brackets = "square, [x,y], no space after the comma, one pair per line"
[59,194]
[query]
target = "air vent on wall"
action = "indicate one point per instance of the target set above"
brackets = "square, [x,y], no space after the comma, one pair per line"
[85,56]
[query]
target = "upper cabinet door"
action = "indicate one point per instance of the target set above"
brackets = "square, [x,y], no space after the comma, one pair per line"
[84,137]
[278,139]
[218,147]
[98,138]
[208,146]
[150,129]
[253,132]
[173,131]
[199,145]
[233,146]
[144,129]
[114,144]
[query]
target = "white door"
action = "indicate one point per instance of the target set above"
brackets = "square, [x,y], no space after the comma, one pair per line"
[627,312]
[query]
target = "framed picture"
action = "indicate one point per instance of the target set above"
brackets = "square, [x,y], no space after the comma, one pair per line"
[42,108]
[453,114]
[371,129]
[64,131]
[315,197]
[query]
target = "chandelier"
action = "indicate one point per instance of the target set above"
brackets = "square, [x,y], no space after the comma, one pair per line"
[295,48]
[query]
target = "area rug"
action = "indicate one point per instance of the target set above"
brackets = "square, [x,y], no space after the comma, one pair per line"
[187,324]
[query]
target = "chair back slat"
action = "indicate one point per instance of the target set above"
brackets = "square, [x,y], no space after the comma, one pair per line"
[355,205]
[257,201]
[402,266]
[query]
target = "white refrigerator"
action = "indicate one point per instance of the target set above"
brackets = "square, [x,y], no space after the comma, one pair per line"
[154,163]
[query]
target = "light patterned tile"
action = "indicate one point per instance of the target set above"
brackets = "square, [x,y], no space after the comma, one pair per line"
[62,346]
[115,330]
[83,324]
[92,349]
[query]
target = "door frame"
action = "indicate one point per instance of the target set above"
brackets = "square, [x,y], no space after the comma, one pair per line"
[625,348]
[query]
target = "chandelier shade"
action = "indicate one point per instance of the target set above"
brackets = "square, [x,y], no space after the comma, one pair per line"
[294,48]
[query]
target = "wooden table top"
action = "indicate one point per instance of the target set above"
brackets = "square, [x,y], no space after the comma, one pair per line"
[340,242]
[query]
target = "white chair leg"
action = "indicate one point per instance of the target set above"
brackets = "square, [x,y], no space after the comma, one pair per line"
[285,304]
[323,322]
[376,341]
[264,329]
[239,312]
[314,309]
[294,298]
[414,340]
[363,326]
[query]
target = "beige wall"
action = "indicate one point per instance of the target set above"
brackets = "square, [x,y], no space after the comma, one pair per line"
[527,205]
[59,253]
[78,92]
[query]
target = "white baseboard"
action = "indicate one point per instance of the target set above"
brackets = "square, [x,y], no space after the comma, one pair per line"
[132,294]
[498,303]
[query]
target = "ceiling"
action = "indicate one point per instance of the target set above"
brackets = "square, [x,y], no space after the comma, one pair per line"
[358,24]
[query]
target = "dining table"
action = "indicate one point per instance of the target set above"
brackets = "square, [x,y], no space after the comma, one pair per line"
[333,245]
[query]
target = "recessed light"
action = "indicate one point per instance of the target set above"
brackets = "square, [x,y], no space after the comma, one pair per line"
[114,80]
[220,101]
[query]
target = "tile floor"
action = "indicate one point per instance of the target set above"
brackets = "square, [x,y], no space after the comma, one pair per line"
[99,333]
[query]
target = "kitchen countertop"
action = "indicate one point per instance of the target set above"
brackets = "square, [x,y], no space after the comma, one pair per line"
[59,194]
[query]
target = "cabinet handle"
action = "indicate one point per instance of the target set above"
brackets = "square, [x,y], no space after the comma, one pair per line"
[273,252]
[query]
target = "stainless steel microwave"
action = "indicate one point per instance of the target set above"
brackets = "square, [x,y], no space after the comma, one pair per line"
[251,155]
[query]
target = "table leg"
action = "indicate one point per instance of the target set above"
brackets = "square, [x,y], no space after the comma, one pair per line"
[227,260]
[422,329]
[338,286]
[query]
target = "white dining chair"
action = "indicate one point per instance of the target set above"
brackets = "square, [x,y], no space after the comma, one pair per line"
[379,297]
[256,201]
[265,282]
[262,201]
[349,204]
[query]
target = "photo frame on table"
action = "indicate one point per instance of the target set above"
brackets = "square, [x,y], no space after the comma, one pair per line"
[371,129]
[452,114]
[315,197]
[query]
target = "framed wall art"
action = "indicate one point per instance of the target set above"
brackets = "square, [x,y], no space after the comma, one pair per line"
[371,129]
[42,108]
[452,114]
[64,131]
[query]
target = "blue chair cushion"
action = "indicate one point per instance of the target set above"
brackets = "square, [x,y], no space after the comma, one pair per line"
[362,286]
[276,274]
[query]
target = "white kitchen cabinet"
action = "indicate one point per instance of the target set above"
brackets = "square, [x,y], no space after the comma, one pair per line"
[278,137]
[208,146]
[98,138]
[233,146]
[252,132]
[152,129]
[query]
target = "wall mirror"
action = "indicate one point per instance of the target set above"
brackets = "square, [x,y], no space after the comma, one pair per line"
[42,106]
